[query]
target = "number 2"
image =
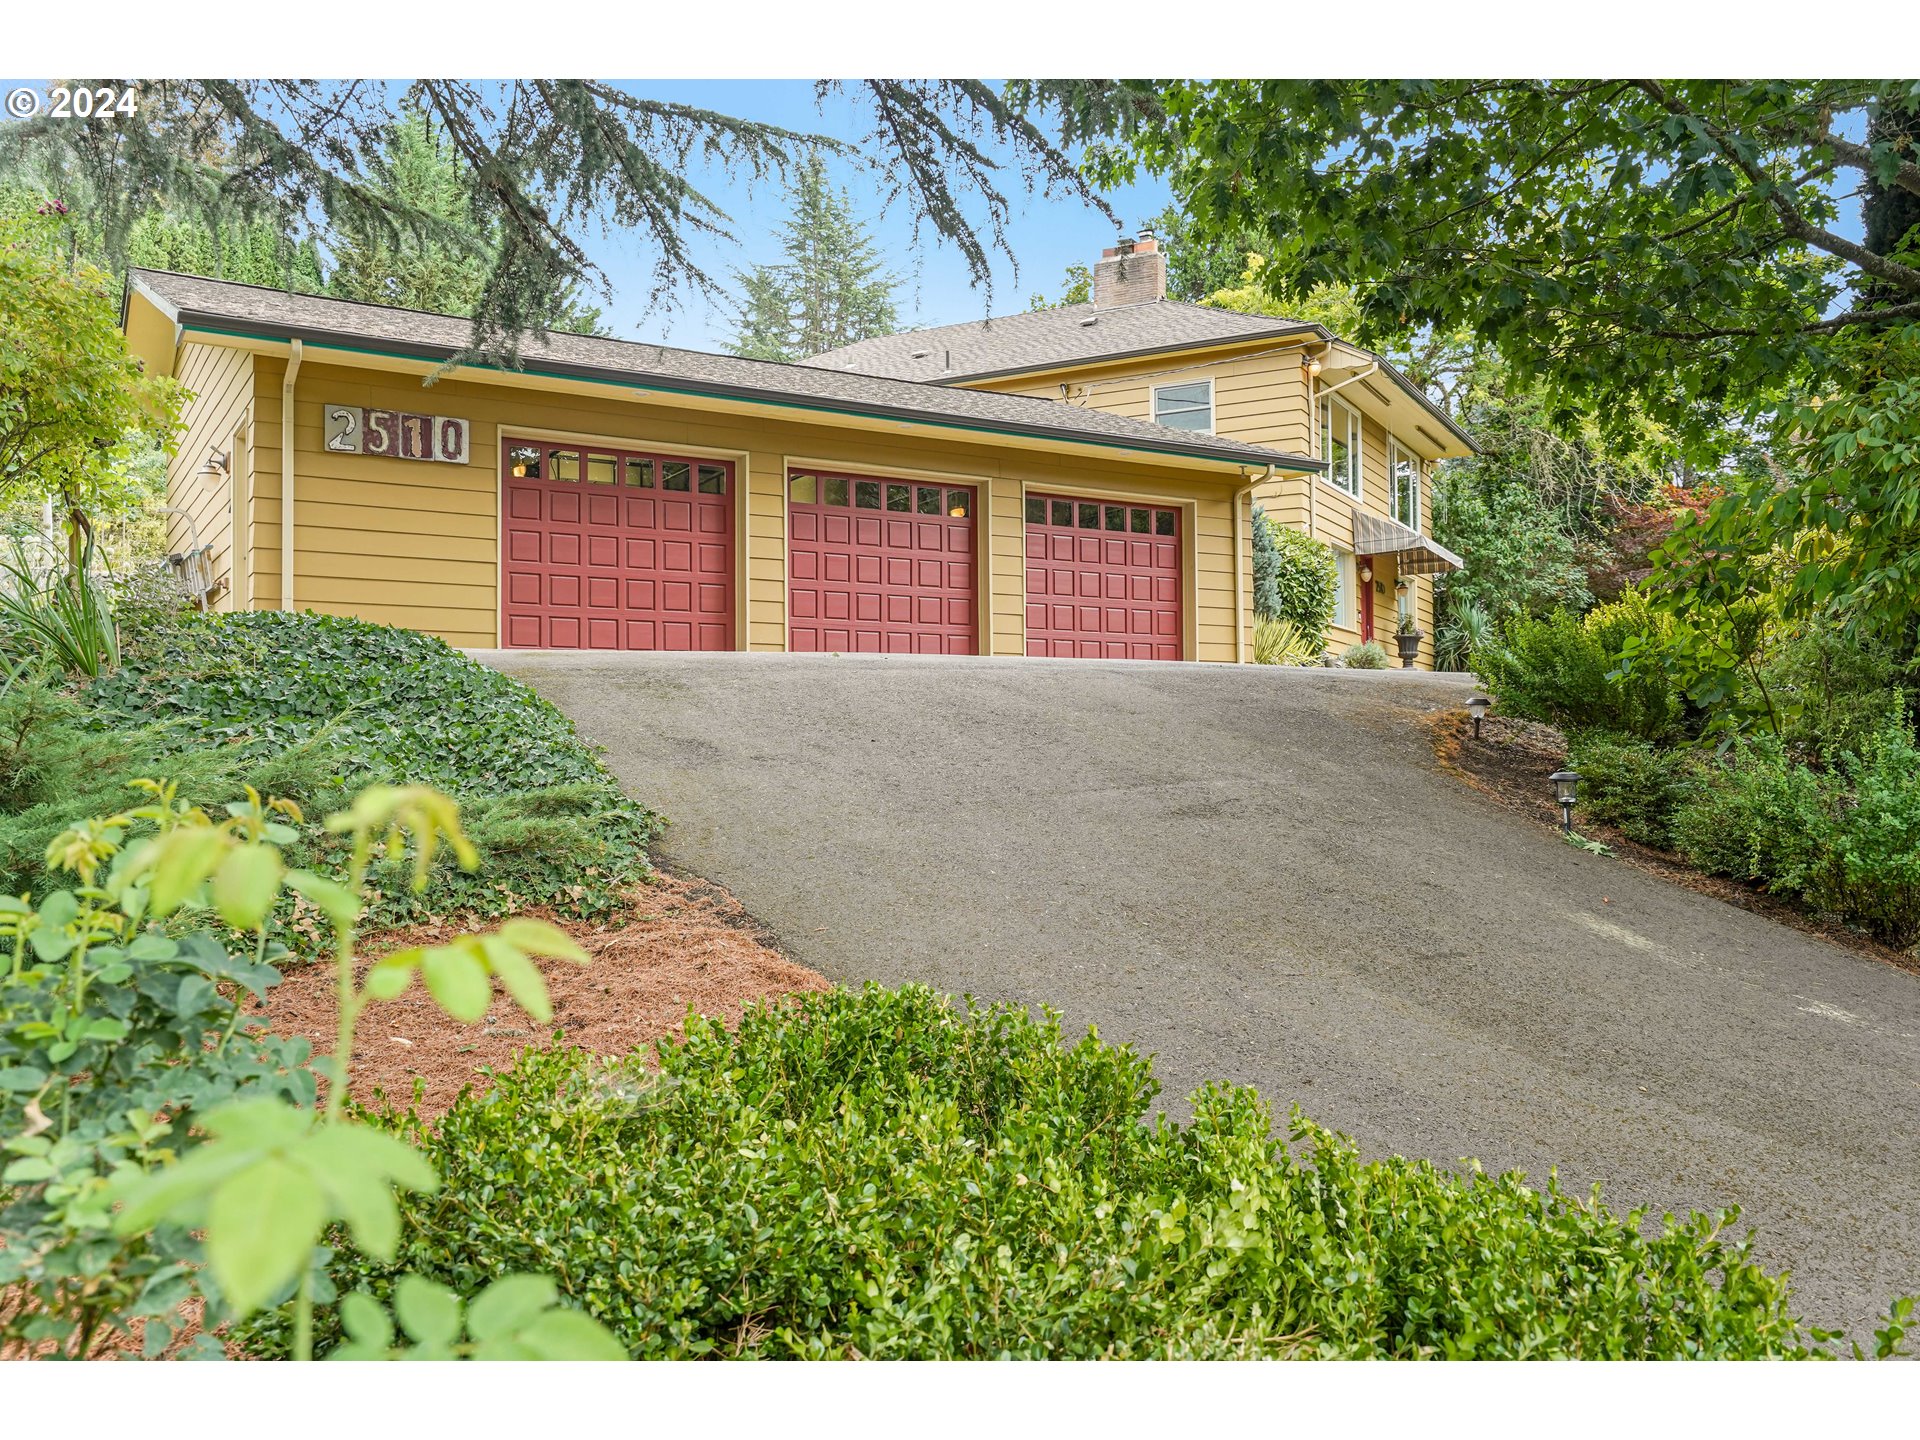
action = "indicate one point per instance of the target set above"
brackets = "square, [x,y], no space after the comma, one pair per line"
[350,422]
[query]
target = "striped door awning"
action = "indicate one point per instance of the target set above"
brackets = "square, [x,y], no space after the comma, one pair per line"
[1413,553]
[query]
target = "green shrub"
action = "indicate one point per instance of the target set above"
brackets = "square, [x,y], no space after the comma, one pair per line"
[1634,785]
[1281,642]
[1877,843]
[1833,689]
[1266,567]
[880,1175]
[1367,655]
[1565,670]
[315,707]
[1843,841]
[1758,816]
[1304,582]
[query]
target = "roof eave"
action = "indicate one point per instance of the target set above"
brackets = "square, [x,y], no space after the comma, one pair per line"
[1140,353]
[213,322]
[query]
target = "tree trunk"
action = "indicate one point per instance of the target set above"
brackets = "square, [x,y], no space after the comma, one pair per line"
[1891,212]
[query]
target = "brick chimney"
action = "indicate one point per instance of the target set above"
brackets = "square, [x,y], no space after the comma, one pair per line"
[1133,272]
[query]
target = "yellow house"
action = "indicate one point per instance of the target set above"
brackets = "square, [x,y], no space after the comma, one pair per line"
[1272,382]
[615,495]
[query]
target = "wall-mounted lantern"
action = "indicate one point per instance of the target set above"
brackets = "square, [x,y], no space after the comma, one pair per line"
[216,466]
[1566,786]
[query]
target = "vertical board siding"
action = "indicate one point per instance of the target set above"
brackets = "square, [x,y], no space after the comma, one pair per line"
[221,382]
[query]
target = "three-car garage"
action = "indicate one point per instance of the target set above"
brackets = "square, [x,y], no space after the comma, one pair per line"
[607,548]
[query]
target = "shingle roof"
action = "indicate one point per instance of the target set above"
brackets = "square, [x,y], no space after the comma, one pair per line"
[262,311]
[1072,333]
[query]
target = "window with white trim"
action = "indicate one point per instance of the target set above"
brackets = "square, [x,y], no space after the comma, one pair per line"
[1404,470]
[1188,406]
[1343,582]
[1340,445]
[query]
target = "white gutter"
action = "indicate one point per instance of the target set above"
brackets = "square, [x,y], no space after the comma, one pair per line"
[1352,379]
[286,475]
[1240,569]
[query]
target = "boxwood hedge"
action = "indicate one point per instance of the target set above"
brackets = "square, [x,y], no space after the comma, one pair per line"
[879,1174]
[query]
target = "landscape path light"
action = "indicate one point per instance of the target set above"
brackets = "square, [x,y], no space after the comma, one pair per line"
[1566,785]
[1477,707]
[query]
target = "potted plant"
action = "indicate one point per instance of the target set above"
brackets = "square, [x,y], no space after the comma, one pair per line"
[1408,637]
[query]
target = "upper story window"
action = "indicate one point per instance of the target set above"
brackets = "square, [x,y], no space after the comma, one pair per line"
[1340,445]
[1405,500]
[1184,407]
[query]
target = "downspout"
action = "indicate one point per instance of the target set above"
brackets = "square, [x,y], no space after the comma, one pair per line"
[1240,568]
[286,474]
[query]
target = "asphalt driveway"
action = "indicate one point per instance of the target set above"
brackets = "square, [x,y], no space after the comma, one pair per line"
[1258,875]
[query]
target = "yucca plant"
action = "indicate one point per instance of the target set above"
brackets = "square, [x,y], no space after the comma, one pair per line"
[1466,629]
[56,613]
[1281,642]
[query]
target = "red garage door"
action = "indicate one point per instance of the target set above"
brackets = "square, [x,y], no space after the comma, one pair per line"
[882,566]
[1102,579]
[607,549]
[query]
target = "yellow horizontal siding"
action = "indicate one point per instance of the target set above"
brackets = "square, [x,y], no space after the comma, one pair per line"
[220,382]
[392,539]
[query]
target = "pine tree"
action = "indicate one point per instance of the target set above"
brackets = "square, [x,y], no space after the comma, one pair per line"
[441,260]
[831,289]
[252,254]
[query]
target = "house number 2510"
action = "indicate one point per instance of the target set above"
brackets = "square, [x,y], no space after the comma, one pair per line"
[358,430]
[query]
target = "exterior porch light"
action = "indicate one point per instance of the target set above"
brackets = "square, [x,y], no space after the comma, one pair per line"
[215,466]
[1566,786]
[1477,707]
[1366,571]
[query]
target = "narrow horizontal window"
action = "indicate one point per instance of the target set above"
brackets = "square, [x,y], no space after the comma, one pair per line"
[833,490]
[676,475]
[713,480]
[802,489]
[640,474]
[959,504]
[602,470]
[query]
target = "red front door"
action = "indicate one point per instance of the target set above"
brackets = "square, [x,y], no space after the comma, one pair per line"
[880,566]
[1103,579]
[606,549]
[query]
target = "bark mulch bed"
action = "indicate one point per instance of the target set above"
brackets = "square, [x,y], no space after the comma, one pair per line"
[684,943]
[1510,764]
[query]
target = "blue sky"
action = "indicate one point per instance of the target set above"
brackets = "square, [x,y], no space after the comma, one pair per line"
[1046,235]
